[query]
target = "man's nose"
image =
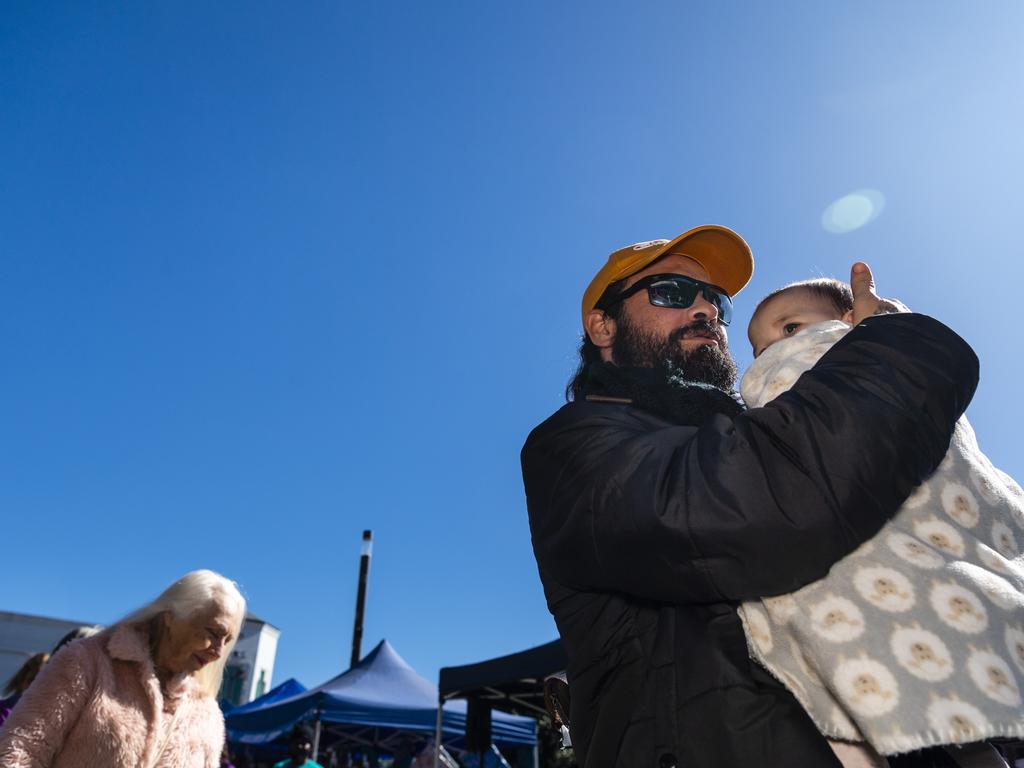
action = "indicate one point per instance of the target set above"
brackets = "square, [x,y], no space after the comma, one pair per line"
[702,309]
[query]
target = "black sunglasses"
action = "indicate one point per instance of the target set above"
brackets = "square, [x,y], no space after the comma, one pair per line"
[677,292]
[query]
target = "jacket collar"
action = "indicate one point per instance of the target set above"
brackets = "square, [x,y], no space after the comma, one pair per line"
[660,392]
[130,643]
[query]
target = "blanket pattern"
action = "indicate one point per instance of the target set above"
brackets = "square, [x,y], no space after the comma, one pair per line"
[916,639]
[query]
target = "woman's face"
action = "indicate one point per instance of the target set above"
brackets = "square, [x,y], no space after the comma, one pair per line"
[187,645]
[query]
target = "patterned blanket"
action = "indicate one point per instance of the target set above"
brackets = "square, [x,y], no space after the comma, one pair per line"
[916,638]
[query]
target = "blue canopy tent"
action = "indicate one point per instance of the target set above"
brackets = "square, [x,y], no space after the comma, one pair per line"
[287,689]
[271,752]
[377,703]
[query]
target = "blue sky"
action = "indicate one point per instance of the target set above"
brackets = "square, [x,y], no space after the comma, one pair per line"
[272,273]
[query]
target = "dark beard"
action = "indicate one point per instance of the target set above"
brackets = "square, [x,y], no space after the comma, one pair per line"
[706,364]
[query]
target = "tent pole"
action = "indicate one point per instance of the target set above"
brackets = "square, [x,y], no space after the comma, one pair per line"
[316,739]
[437,734]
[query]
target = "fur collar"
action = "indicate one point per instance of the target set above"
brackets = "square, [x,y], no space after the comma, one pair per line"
[130,643]
[661,392]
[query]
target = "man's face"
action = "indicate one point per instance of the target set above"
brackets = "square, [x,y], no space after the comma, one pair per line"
[689,340]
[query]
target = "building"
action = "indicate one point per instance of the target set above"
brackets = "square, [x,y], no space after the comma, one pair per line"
[250,669]
[22,636]
[248,673]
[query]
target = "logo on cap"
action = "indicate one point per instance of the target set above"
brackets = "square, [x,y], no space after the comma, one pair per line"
[648,244]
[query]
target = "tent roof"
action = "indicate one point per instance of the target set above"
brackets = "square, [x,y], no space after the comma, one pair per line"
[381,692]
[287,689]
[383,678]
[506,681]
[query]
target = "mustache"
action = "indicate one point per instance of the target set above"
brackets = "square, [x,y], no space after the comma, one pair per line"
[697,328]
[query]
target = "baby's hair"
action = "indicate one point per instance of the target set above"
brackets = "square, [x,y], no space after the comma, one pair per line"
[835,292]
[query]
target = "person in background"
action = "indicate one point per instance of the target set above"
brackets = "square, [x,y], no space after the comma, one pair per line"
[78,633]
[300,747]
[142,693]
[24,676]
[19,683]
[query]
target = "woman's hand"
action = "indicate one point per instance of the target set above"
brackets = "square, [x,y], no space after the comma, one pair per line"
[865,301]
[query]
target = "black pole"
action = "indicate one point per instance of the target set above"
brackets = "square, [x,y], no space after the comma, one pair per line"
[366,552]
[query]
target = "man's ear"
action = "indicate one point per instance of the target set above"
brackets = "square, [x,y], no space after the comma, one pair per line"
[848,317]
[600,328]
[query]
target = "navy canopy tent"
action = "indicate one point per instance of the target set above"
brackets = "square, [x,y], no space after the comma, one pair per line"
[287,689]
[375,703]
[270,752]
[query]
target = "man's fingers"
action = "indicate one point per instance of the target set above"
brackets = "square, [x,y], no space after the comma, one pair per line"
[862,281]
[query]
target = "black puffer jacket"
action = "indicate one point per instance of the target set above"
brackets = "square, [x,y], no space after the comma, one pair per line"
[649,529]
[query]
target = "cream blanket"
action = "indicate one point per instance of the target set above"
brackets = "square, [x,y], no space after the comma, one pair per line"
[916,638]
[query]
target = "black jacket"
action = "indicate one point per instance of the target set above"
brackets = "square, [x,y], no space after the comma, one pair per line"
[650,522]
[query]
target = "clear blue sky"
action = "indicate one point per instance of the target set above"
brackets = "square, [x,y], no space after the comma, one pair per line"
[274,273]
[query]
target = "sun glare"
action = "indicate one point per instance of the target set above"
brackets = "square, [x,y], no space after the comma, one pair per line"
[853,211]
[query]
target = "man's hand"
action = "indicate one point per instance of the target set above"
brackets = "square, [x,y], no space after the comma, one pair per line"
[865,301]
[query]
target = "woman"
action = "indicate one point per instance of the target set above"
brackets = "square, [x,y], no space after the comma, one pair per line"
[141,694]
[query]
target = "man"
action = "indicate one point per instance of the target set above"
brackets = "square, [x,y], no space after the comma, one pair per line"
[300,747]
[657,503]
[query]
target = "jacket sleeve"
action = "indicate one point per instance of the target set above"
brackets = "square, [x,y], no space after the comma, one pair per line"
[34,734]
[758,505]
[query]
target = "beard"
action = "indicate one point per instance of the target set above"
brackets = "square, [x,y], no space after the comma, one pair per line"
[706,364]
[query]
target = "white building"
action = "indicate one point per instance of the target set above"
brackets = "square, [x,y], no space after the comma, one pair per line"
[22,636]
[250,669]
[248,673]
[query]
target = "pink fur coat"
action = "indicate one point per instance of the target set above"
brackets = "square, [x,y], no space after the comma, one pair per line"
[98,703]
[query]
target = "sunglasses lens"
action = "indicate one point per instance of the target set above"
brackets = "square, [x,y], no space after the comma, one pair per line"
[674,294]
[724,304]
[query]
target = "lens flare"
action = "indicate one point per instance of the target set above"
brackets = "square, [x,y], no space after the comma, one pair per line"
[853,211]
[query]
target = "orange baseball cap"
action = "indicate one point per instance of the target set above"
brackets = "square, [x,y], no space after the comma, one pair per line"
[724,255]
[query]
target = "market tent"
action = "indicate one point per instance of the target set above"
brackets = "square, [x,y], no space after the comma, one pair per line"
[287,689]
[512,683]
[375,703]
[270,752]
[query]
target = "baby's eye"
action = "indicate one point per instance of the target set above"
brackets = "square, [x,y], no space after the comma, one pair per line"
[790,328]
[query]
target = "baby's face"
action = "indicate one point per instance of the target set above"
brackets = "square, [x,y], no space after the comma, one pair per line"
[787,314]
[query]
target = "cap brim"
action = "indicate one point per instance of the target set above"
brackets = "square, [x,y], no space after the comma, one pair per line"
[724,255]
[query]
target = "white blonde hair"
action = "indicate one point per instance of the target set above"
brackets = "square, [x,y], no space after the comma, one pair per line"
[194,592]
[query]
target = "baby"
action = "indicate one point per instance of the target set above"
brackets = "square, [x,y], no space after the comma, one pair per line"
[916,639]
